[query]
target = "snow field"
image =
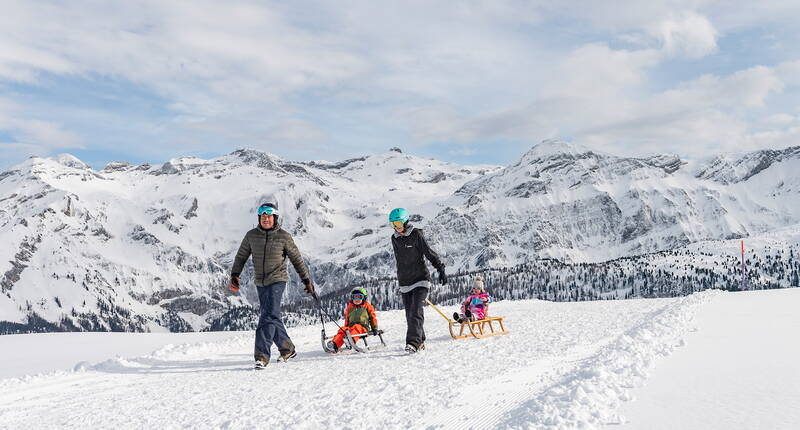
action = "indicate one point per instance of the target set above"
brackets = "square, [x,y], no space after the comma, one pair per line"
[40,354]
[589,395]
[739,370]
[564,365]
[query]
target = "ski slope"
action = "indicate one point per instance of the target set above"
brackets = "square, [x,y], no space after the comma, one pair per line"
[564,365]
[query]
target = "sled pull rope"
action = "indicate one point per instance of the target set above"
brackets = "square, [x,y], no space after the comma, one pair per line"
[319,307]
[437,310]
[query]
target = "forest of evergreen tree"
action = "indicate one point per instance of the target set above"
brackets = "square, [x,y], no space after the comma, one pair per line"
[670,273]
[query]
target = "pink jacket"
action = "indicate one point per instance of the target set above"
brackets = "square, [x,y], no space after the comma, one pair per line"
[476,303]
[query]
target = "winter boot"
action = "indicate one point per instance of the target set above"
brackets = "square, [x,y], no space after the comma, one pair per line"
[458,318]
[288,355]
[332,347]
[411,349]
[468,315]
[261,362]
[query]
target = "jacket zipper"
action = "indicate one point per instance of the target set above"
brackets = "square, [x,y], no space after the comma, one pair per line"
[264,259]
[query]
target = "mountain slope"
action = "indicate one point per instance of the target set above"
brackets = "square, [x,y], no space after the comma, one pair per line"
[136,248]
[148,247]
[564,201]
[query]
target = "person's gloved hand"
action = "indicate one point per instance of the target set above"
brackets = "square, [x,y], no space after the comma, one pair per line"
[374,331]
[234,283]
[309,286]
[442,276]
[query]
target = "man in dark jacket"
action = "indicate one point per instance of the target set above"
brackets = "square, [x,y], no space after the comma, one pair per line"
[270,245]
[409,249]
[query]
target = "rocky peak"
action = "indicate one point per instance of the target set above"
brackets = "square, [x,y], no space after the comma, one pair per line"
[69,160]
[177,165]
[256,158]
[555,148]
[733,168]
[116,166]
[670,163]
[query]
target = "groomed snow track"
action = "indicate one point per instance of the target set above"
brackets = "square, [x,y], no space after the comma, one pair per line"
[564,365]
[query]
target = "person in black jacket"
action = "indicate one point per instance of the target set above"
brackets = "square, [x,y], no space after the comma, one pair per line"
[410,247]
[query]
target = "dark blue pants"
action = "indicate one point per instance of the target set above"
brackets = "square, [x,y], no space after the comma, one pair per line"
[270,327]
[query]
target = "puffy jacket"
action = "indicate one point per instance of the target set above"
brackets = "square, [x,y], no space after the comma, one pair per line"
[363,314]
[409,250]
[477,301]
[269,249]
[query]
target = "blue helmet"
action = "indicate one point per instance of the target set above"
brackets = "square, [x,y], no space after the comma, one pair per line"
[398,214]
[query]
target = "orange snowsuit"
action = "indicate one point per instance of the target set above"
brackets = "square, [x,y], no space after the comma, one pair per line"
[356,318]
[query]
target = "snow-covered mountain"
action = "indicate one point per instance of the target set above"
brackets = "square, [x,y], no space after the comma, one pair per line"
[564,201]
[147,247]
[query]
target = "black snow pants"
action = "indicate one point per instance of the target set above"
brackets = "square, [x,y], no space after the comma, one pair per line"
[414,301]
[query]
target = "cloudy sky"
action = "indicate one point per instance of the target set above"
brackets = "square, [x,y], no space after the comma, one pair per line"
[467,81]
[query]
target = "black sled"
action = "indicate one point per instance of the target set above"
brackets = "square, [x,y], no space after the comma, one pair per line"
[350,340]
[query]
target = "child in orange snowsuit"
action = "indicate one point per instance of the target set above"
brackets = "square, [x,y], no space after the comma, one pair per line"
[358,316]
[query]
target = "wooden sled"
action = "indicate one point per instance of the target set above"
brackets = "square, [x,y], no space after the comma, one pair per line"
[477,329]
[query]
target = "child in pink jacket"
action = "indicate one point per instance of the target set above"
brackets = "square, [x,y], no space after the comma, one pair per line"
[476,306]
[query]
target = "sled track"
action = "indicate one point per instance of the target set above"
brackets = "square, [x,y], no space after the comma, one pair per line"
[581,389]
[562,365]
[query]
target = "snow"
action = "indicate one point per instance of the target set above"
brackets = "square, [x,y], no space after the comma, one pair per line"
[739,369]
[563,365]
[71,232]
[170,230]
[26,354]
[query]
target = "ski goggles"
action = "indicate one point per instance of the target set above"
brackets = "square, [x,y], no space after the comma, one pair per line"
[357,297]
[267,210]
[397,224]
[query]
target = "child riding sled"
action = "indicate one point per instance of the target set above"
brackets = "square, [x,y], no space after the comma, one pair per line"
[358,316]
[476,306]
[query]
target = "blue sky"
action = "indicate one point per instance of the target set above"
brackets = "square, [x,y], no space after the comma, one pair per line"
[472,82]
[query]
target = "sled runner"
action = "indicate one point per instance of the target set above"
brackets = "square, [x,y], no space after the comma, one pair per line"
[477,329]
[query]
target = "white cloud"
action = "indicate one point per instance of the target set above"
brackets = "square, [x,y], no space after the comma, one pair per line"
[743,89]
[789,72]
[11,152]
[689,34]
[706,115]
[33,135]
[40,133]
[294,131]
[466,72]
[780,119]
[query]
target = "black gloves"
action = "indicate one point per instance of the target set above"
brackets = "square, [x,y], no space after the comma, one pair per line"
[309,286]
[442,276]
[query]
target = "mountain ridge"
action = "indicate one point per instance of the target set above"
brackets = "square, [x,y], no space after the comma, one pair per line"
[148,247]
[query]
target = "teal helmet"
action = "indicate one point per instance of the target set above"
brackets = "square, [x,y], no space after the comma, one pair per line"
[399,214]
[362,291]
[268,209]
